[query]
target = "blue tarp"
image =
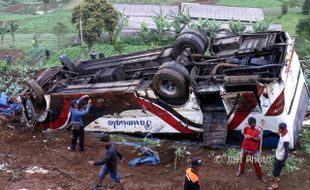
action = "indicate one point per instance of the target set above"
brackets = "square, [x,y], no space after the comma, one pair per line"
[8,106]
[3,99]
[148,157]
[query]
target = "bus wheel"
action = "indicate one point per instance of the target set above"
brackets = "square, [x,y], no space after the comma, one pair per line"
[189,40]
[199,34]
[170,84]
[67,63]
[37,92]
[177,67]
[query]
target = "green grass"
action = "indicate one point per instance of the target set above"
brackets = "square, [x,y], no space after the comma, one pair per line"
[288,21]
[4,16]
[250,3]
[107,49]
[23,41]
[44,23]
[39,23]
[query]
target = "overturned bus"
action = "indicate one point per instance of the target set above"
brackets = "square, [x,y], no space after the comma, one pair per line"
[181,89]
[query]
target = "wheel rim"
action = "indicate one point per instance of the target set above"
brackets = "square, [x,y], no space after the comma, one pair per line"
[29,108]
[167,87]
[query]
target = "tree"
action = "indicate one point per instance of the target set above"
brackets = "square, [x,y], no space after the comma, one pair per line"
[117,41]
[306,7]
[3,31]
[303,28]
[94,16]
[13,26]
[59,29]
[285,4]
[45,4]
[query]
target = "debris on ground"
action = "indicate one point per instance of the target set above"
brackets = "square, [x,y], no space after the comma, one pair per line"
[36,169]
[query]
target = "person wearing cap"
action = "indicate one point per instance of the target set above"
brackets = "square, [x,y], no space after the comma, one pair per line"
[77,122]
[191,177]
[250,146]
[109,162]
[281,155]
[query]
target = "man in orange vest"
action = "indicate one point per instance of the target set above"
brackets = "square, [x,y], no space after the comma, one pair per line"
[191,177]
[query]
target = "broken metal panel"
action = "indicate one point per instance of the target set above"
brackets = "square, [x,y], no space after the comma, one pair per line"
[241,102]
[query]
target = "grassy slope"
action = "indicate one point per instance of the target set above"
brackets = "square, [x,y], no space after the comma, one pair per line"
[39,23]
[250,3]
[23,41]
[288,21]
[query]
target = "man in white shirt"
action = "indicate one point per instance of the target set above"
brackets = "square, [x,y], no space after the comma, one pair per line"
[281,155]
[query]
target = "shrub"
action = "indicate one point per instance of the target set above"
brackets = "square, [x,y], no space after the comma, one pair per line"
[306,7]
[304,140]
[303,28]
[3,66]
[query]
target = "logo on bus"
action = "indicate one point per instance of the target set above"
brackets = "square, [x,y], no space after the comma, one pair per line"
[147,124]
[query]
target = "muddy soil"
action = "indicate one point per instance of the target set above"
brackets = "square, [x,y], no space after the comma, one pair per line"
[70,171]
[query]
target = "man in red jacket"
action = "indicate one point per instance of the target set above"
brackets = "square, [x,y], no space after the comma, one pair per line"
[250,146]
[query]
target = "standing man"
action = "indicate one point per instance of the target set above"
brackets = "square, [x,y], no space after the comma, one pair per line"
[109,163]
[250,146]
[77,122]
[191,177]
[281,155]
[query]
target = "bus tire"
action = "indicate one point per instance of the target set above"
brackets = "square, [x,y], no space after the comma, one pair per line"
[170,84]
[67,63]
[37,92]
[186,40]
[199,34]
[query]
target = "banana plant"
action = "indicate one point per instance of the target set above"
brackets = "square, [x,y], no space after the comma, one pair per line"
[201,25]
[162,25]
[235,27]
[181,20]
[213,27]
[144,31]
[260,26]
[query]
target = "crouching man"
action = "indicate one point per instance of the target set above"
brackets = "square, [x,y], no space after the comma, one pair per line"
[281,155]
[109,163]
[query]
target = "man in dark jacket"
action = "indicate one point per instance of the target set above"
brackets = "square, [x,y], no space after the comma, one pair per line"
[109,163]
[77,122]
[191,177]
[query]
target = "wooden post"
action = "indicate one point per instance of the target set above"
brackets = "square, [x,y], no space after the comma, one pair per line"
[261,139]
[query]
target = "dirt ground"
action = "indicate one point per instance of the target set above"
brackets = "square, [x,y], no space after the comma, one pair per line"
[70,171]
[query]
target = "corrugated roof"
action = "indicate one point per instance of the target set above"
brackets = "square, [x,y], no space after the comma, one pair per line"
[145,10]
[139,13]
[222,12]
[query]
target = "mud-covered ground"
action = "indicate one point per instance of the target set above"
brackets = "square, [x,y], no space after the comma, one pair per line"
[69,170]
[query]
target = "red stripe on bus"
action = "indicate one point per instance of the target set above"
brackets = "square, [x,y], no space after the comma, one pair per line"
[165,116]
[62,118]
